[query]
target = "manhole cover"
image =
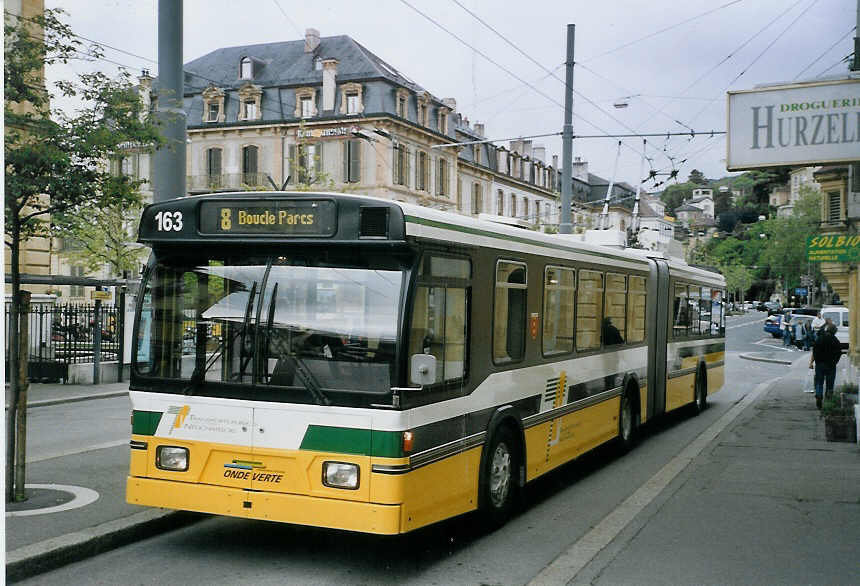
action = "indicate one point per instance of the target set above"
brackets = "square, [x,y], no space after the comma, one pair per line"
[51,498]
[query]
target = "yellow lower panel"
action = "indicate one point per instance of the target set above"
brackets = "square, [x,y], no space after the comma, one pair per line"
[679,391]
[440,490]
[716,379]
[556,442]
[643,404]
[288,508]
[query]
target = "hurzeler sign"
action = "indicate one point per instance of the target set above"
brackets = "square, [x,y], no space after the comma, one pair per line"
[800,124]
[833,248]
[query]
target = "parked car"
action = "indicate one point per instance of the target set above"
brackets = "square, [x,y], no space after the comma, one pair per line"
[772,325]
[798,320]
[772,307]
[840,316]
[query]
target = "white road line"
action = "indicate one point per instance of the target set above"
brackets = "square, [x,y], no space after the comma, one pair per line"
[50,456]
[749,323]
[570,562]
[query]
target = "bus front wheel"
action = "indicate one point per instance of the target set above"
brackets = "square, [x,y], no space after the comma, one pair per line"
[628,421]
[700,402]
[498,478]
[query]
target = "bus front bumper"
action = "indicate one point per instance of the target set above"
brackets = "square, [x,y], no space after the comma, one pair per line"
[268,506]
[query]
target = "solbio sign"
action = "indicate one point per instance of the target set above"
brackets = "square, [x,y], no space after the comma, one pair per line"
[833,248]
[801,124]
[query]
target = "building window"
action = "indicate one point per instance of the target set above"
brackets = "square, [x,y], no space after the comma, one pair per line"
[125,166]
[526,209]
[476,153]
[477,199]
[422,171]
[442,178]
[212,112]
[402,105]
[422,114]
[400,168]
[246,68]
[443,121]
[834,207]
[250,155]
[213,167]
[509,312]
[250,110]
[500,203]
[305,163]
[352,101]
[307,108]
[513,206]
[306,102]
[318,64]
[352,161]
[537,212]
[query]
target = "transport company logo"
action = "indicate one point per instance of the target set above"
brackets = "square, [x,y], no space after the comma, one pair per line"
[181,413]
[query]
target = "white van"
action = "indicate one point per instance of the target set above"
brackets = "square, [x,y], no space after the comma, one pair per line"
[839,315]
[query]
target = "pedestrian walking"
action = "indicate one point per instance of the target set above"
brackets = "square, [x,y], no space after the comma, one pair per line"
[787,331]
[808,334]
[825,355]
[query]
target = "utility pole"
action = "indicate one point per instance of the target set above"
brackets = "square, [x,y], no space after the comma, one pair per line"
[168,179]
[565,226]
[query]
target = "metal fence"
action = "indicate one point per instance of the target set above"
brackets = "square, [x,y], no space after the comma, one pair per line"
[60,335]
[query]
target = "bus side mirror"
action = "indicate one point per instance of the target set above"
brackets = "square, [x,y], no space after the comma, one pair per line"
[422,369]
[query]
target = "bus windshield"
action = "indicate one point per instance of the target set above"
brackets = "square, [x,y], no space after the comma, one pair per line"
[271,322]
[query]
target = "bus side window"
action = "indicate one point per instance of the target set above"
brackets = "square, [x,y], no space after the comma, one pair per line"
[509,320]
[636,310]
[589,310]
[681,314]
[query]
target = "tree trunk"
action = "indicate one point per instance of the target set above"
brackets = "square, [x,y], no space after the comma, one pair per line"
[23,387]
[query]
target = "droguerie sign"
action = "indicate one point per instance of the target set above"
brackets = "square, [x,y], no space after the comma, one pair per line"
[801,124]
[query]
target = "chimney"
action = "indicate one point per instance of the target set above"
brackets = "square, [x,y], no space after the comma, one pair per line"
[540,153]
[312,40]
[450,103]
[555,161]
[527,148]
[579,169]
[517,146]
[479,129]
[329,86]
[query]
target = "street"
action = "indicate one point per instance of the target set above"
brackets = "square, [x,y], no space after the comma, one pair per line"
[560,509]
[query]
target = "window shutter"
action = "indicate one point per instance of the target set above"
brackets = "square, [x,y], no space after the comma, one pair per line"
[355,161]
[346,161]
[406,169]
[834,205]
[318,162]
[395,167]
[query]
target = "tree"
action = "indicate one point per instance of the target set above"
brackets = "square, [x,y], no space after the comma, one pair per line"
[55,161]
[675,195]
[697,177]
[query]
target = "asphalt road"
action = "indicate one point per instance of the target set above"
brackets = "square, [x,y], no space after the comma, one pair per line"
[561,508]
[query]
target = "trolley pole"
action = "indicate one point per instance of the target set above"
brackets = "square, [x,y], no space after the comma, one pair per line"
[168,179]
[565,226]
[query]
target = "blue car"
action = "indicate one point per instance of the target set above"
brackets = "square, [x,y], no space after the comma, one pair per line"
[772,325]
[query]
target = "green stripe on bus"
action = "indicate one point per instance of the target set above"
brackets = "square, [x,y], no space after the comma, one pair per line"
[347,440]
[145,422]
[479,232]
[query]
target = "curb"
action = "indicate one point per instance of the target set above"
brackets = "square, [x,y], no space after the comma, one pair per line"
[50,554]
[764,359]
[73,399]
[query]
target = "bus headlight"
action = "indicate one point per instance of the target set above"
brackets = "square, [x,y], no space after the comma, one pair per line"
[171,458]
[340,475]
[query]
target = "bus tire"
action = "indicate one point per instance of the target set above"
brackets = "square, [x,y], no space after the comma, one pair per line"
[498,486]
[700,399]
[628,420]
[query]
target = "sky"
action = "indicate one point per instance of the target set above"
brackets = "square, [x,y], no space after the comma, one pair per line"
[670,61]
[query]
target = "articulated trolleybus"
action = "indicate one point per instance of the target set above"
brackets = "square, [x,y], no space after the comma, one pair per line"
[357,363]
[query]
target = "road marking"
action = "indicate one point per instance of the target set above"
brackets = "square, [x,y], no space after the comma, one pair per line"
[749,323]
[82,497]
[50,456]
[570,562]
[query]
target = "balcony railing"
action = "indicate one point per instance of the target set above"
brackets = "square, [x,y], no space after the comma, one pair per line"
[227,182]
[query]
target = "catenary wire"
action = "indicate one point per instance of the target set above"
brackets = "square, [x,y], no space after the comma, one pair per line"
[826,51]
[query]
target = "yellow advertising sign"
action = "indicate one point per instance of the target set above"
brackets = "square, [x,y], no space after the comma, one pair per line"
[833,248]
[102,295]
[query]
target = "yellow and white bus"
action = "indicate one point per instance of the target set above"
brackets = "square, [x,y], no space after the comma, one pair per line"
[356,363]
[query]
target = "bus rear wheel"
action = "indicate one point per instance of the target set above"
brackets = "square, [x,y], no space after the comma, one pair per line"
[628,421]
[700,403]
[498,478]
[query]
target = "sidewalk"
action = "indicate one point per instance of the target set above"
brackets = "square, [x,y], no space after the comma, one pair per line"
[41,394]
[777,450]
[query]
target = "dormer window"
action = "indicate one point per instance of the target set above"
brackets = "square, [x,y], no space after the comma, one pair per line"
[402,103]
[213,104]
[306,102]
[318,64]
[246,68]
[350,99]
[250,96]
[423,109]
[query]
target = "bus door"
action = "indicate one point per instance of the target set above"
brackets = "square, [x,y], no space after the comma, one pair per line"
[658,317]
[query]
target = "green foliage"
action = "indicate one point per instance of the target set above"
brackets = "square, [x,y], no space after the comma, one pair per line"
[674,195]
[56,163]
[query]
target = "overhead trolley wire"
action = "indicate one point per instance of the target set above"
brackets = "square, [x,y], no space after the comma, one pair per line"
[826,51]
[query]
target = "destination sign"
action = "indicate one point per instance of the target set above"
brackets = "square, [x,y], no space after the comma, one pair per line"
[274,218]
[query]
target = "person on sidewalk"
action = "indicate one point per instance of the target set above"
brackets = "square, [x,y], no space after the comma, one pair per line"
[817,324]
[825,355]
[787,331]
[808,334]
